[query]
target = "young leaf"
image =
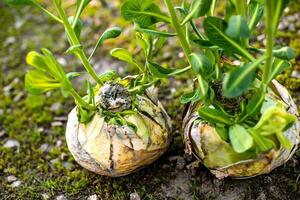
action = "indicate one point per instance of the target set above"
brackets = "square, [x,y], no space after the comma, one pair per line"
[240,138]
[36,60]
[78,26]
[71,75]
[238,80]
[65,87]
[108,34]
[262,143]
[159,71]
[142,12]
[198,8]
[37,82]
[256,11]
[214,116]
[278,67]
[215,31]
[201,64]
[90,92]
[254,105]
[190,97]
[123,54]
[108,76]
[237,27]
[156,33]
[19,2]
[285,53]
[73,49]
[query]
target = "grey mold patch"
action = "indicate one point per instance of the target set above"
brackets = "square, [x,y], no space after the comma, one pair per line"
[114,97]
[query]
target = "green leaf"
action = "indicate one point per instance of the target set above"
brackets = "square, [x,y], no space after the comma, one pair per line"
[73,49]
[192,96]
[80,5]
[215,31]
[38,82]
[256,11]
[19,2]
[240,138]
[254,105]
[110,33]
[142,41]
[123,54]
[71,75]
[156,33]
[214,116]
[78,26]
[159,71]
[54,66]
[262,143]
[65,87]
[107,34]
[285,53]
[237,27]
[203,43]
[36,60]
[201,64]
[198,8]
[274,121]
[238,80]
[90,93]
[108,76]
[278,67]
[142,12]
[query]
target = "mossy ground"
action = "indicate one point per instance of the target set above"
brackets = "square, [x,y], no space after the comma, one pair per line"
[53,171]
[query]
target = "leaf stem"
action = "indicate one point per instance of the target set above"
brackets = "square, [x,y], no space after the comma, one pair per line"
[74,41]
[180,33]
[46,11]
[269,46]
[80,101]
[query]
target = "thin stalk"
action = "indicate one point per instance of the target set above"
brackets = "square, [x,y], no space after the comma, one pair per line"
[74,41]
[46,11]
[80,101]
[77,14]
[267,71]
[212,8]
[180,33]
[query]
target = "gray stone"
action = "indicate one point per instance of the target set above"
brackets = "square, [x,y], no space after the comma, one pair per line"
[53,124]
[55,107]
[44,147]
[135,196]
[16,184]
[45,196]
[11,179]
[11,143]
[93,197]
[2,132]
[61,197]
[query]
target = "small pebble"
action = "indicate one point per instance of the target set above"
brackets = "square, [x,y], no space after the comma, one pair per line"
[55,107]
[93,197]
[16,184]
[135,196]
[1,111]
[11,144]
[61,197]
[58,143]
[63,156]
[57,124]
[44,147]
[2,132]
[11,179]
[45,196]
